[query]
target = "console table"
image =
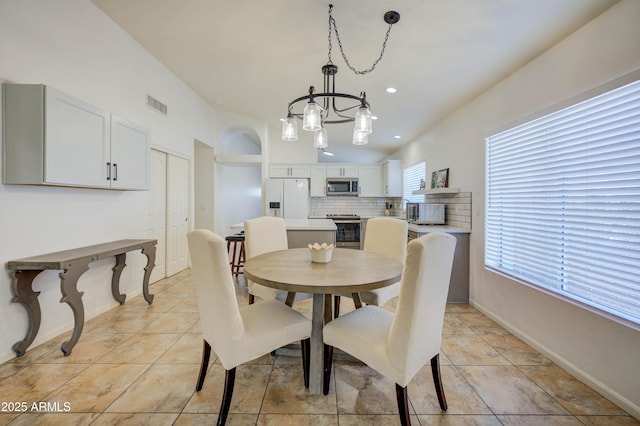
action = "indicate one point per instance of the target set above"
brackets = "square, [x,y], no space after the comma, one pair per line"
[73,264]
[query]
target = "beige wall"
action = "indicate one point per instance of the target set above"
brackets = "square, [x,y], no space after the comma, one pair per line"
[601,352]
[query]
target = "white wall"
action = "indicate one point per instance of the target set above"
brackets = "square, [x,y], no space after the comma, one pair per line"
[73,46]
[601,352]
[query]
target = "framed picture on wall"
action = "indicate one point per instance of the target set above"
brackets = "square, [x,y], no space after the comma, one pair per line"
[440,179]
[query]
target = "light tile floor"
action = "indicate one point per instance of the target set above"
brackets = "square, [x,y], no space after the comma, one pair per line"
[137,365]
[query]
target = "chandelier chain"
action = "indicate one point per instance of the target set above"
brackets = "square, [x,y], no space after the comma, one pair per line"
[332,23]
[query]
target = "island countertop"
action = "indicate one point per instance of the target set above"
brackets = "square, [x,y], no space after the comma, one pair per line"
[300,225]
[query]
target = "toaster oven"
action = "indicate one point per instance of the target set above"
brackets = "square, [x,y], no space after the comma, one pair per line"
[425,213]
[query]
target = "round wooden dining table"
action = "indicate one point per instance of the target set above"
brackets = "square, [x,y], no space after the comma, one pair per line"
[349,271]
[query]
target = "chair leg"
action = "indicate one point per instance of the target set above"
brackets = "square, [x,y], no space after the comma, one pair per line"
[229,380]
[437,381]
[206,354]
[403,405]
[306,359]
[336,307]
[326,374]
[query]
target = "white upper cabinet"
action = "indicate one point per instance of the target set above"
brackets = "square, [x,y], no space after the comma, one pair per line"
[51,138]
[392,178]
[370,180]
[129,155]
[76,140]
[342,170]
[289,171]
[318,187]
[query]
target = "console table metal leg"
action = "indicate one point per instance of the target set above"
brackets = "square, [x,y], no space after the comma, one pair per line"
[24,294]
[72,297]
[115,279]
[148,250]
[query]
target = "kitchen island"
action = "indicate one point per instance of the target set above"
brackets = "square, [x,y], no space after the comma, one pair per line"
[301,232]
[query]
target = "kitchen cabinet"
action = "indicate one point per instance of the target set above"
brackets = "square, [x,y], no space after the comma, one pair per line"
[342,170]
[370,180]
[51,138]
[459,282]
[318,186]
[392,178]
[289,171]
[129,155]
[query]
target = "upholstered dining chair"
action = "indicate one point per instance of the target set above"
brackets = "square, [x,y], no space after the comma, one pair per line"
[399,345]
[388,236]
[237,335]
[263,235]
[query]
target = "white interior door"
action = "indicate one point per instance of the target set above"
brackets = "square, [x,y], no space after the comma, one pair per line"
[177,214]
[158,211]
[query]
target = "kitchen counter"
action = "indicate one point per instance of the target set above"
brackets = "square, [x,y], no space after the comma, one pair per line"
[310,225]
[302,232]
[424,229]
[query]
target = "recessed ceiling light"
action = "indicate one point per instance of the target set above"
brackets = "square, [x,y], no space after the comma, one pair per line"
[397,136]
[391,89]
[373,117]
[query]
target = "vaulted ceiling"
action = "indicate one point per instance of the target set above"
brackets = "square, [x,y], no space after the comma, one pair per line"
[253,57]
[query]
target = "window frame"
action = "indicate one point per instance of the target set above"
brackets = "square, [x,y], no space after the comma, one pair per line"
[561,295]
[405,191]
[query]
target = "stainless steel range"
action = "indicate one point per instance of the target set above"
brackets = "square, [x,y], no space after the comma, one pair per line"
[348,230]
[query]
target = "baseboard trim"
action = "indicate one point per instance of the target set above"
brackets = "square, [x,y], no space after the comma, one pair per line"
[583,376]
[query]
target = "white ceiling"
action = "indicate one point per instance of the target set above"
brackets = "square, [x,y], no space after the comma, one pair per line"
[253,57]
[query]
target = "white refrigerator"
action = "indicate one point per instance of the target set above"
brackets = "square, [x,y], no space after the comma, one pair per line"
[288,198]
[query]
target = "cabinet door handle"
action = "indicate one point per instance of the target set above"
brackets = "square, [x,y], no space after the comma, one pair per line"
[115,171]
[108,171]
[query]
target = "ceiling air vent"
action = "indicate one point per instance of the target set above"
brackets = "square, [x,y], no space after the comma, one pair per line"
[155,104]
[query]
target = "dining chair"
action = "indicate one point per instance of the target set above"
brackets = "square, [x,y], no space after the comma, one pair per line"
[388,236]
[399,345]
[262,235]
[237,335]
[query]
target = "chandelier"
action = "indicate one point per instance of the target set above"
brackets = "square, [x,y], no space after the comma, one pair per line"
[331,107]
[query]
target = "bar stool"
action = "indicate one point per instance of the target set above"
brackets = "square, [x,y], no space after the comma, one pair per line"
[237,257]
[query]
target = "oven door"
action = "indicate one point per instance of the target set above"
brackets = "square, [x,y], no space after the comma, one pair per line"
[348,233]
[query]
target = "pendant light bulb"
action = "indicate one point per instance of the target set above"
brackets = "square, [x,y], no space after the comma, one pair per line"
[320,139]
[290,129]
[363,120]
[360,138]
[311,117]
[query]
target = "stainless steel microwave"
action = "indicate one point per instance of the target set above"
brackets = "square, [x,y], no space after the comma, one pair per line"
[343,186]
[425,213]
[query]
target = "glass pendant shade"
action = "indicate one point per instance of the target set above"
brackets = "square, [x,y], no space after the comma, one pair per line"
[320,139]
[289,129]
[311,117]
[363,121]
[360,138]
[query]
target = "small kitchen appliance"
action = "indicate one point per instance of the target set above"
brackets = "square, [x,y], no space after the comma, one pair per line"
[425,213]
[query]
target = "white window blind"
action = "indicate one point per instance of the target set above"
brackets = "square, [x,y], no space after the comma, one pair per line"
[563,202]
[411,177]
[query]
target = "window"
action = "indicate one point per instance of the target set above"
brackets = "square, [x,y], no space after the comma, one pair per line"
[411,177]
[563,203]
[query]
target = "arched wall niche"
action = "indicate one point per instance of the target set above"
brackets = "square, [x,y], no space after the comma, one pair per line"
[238,187]
[240,140]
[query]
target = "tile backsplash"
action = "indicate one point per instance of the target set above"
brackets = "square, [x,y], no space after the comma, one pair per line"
[365,207]
[457,206]
[457,210]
